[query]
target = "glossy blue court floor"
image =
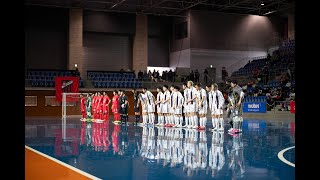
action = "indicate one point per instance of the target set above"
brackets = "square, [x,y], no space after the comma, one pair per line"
[108,151]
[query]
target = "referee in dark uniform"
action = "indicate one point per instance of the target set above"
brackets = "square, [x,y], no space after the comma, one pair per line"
[136,106]
[124,106]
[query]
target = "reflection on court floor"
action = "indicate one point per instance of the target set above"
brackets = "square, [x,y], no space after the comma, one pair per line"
[112,151]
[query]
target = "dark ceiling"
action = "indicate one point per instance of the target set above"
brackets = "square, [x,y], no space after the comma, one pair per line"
[175,7]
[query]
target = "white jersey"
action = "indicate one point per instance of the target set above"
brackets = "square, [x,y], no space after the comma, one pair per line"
[178,102]
[150,102]
[159,105]
[171,104]
[210,99]
[143,100]
[192,94]
[217,102]
[165,105]
[202,94]
[185,96]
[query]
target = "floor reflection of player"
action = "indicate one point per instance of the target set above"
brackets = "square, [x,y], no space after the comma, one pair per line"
[236,164]
[83,133]
[151,143]
[159,146]
[115,138]
[89,134]
[203,150]
[191,152]
[136,142]
[166,146]
[105,136]
[124,140]
[216,153]
[143,149]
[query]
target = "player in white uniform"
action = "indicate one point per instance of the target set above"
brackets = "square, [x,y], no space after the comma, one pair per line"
[171,110]
[193,108]
[150,102]
[203,106]
[159,107]
[178,102]
[185,105]
[144,108]
[165,104]
[209,94]
[236,106]
[217,107]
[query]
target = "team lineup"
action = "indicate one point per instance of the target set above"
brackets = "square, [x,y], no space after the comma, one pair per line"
[186,109]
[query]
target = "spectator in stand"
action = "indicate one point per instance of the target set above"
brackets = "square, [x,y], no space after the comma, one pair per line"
[205,75]
[197,75]
[165,75]
[140,75]
[191,76]
[145,76]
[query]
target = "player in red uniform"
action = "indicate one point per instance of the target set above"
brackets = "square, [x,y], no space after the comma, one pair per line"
[99,107]
[83,107]
[105,106]
[115,106]
[93,104]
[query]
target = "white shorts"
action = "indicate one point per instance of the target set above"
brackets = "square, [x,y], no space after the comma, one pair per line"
[165,108]
[159,108]
[192,107]
[151,108]
[216,111]
[185,108]
[144,108]
[171,110]
[178,111]
[203,110]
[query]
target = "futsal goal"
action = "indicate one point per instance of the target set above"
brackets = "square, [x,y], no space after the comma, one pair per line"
[71,110]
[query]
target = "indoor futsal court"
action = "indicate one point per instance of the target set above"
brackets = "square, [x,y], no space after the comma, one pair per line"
[161,89]
[265,150]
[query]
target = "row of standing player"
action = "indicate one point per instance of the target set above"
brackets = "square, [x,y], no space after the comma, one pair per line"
[95,107]
[171,104]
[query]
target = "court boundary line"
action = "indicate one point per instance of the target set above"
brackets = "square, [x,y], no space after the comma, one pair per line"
[281,157]
[64,164]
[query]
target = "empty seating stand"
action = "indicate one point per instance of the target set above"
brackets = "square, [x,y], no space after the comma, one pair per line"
[107,79]
[255,99]
[45,78]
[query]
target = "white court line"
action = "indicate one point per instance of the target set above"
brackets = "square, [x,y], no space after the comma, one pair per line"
[280,156]
[64,164]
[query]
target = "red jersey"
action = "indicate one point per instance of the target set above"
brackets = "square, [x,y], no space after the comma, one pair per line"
[115,104]
[83,104]
[105,107]
[93,104]
[98,104]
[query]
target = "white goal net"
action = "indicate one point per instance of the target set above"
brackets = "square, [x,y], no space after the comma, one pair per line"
[71,111]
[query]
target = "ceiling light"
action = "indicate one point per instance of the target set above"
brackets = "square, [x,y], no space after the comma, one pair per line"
[262,4]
